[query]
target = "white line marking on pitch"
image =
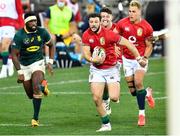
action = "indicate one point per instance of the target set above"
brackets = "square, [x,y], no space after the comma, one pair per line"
[72,81]
[161,98]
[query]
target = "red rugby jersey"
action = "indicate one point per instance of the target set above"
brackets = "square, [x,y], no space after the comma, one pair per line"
[105,39]
[135,33]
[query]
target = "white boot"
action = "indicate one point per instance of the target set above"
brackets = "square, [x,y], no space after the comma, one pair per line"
[3,73]
[10,67]
[104,127]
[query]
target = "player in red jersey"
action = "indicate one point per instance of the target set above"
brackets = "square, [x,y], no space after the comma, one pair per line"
[139,32]
[10,19]
[106,22]
[103,69]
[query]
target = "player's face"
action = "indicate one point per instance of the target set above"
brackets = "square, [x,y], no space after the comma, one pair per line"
[134,14]
[106,19]
[31,25]
[94,24]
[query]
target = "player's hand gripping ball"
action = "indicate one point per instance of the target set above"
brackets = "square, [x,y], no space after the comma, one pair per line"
[100,52]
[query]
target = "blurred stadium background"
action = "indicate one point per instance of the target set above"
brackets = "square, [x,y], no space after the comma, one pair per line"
[153,12]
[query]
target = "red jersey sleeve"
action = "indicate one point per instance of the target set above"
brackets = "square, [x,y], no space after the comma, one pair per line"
[85,38]
[19,9]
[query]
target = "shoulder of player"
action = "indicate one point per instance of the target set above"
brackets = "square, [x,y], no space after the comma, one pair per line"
[113,26]
[107,31]
[20,32]
[147,24]
[86,33]
[123,20]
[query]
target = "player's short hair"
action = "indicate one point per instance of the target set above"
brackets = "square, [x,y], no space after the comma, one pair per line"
[107,10]
[135,3]
[93,15]
[29,16]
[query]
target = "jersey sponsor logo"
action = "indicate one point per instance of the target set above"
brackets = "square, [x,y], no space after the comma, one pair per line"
[132,39]
[33,48]
[32,39]
[26,41]
[39,38]
[102,41]
[127,29]
[91,40]
[139,31]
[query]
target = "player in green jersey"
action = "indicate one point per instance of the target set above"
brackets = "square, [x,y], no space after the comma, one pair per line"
[27,55]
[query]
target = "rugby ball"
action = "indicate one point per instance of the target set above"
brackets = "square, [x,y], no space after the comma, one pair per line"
[99,51]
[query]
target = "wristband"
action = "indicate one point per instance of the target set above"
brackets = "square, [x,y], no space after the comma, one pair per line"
[20,72]
[51,61]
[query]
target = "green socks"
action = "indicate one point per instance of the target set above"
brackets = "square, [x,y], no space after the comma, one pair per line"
[36,106]
[105,119]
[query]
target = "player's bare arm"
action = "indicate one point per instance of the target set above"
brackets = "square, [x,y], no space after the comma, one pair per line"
[123,41]
[15,53]
[149,48]
[88,56]
[51,57]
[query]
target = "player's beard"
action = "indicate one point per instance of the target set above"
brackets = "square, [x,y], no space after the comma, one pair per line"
[31,29]
[97,29]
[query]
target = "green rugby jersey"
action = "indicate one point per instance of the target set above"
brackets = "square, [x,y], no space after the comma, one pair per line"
[30,45]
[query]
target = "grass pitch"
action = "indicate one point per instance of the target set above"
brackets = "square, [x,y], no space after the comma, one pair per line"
[69,110]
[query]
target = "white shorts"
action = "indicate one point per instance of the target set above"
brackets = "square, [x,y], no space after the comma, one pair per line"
[28,70]
[7,32]
[130,66]
[110,75]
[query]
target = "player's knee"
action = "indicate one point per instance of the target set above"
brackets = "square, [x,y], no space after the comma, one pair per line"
[138,84]
[114,98]
[36,87]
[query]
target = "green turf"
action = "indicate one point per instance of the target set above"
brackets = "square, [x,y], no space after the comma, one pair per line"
[69,110]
